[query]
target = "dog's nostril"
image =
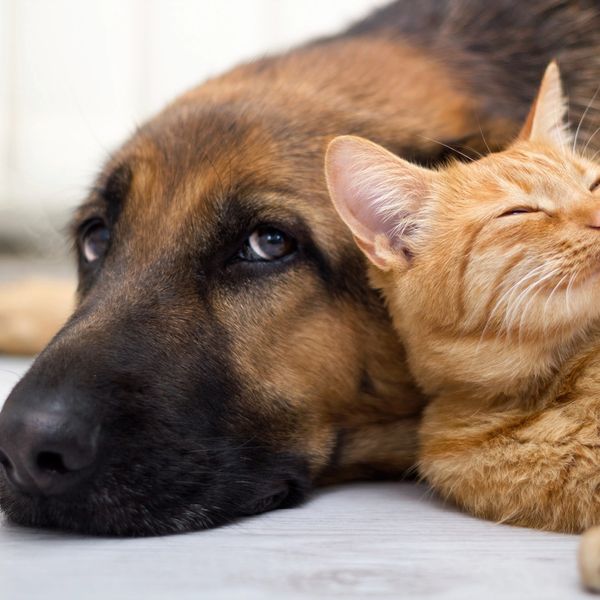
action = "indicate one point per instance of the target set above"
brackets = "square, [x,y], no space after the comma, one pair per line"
[51,461]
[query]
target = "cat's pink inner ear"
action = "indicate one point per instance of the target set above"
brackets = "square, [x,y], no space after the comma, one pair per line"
[376,194]
[546,121]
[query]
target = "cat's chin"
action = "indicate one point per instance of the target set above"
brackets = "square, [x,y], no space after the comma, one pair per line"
[581,289]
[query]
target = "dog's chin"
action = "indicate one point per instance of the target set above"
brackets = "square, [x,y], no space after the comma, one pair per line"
[102,513]
[96,514]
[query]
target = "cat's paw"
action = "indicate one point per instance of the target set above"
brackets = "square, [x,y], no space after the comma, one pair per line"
[589,559]
[31,312]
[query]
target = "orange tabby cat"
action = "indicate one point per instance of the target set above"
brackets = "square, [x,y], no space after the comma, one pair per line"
[491,270]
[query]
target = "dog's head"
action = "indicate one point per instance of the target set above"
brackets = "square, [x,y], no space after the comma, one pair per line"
[227,351]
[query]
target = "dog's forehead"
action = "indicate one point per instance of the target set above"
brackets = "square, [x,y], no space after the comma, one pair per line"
[188,165]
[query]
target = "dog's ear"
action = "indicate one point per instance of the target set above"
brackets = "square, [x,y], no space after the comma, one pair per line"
[546,121]
[380,197]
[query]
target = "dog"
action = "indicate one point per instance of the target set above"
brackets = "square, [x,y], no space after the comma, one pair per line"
[227,352]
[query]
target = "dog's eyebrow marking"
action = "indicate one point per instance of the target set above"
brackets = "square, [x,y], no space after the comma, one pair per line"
[115,189]
[106,197]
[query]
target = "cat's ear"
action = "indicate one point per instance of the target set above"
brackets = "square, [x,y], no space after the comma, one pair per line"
[379,196]
[546,121]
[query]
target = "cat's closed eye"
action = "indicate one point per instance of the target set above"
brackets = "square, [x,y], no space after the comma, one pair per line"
[595,185]
[519,210]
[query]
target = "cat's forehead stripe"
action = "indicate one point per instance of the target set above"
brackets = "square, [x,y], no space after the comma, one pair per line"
[532,171]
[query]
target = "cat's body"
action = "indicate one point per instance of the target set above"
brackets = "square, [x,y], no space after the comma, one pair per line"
[491,270]
[511,350]
[535,464]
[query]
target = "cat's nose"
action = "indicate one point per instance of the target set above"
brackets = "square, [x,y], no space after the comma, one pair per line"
[593,219]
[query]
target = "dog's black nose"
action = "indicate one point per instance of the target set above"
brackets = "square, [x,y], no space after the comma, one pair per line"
[46,449]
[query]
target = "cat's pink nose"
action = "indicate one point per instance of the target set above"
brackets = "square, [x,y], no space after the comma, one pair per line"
[593,219]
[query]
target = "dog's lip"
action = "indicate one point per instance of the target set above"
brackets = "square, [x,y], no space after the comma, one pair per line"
[280,493]
[93,512]
[270,499]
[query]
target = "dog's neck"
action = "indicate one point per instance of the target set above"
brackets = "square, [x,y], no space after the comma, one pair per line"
[377,434]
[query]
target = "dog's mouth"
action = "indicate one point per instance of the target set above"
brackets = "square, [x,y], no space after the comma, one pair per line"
[283,494]
[129,459]
[100,513]
[94,515]
[161,496]
[147,471]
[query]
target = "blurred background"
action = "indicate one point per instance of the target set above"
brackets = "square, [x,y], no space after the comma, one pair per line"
[77,76]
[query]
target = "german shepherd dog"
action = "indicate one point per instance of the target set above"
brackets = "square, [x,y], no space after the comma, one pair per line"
[227,352]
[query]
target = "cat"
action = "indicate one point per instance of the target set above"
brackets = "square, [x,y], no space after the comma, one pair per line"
[491,271]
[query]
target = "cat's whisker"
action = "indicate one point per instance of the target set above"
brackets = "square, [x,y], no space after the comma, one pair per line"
[571,281]
[523,319]
[594,156]
[483,136]
[504,296]
[553,273]
[497,305]
[474,150]
[523,297]
[585,112]
[514,288]
[549,299]
[470,158]
[590,140]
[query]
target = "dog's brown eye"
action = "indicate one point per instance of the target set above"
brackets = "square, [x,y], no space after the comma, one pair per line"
[268,243]
[94,241]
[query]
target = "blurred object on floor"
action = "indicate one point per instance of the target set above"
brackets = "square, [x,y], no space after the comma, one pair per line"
[32,310]
[21,265]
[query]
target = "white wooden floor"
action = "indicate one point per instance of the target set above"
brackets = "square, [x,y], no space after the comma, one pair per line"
[357,541]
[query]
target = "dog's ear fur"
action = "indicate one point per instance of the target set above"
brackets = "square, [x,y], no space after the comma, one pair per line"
[379,196]
[546,121]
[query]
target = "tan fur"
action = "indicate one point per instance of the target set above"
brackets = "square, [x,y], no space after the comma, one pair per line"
[327,373]
[299,84]
[499,314]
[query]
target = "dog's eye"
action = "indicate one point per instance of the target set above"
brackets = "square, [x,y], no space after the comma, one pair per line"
[94,241]
[521,210]
[267,244]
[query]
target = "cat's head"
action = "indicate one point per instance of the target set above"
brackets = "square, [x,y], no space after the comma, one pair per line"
[490,267]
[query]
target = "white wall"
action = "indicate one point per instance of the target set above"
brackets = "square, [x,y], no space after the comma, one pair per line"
[77,75]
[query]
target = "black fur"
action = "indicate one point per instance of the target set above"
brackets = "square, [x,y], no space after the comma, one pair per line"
[502,47]
[184,443]
[174,456]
